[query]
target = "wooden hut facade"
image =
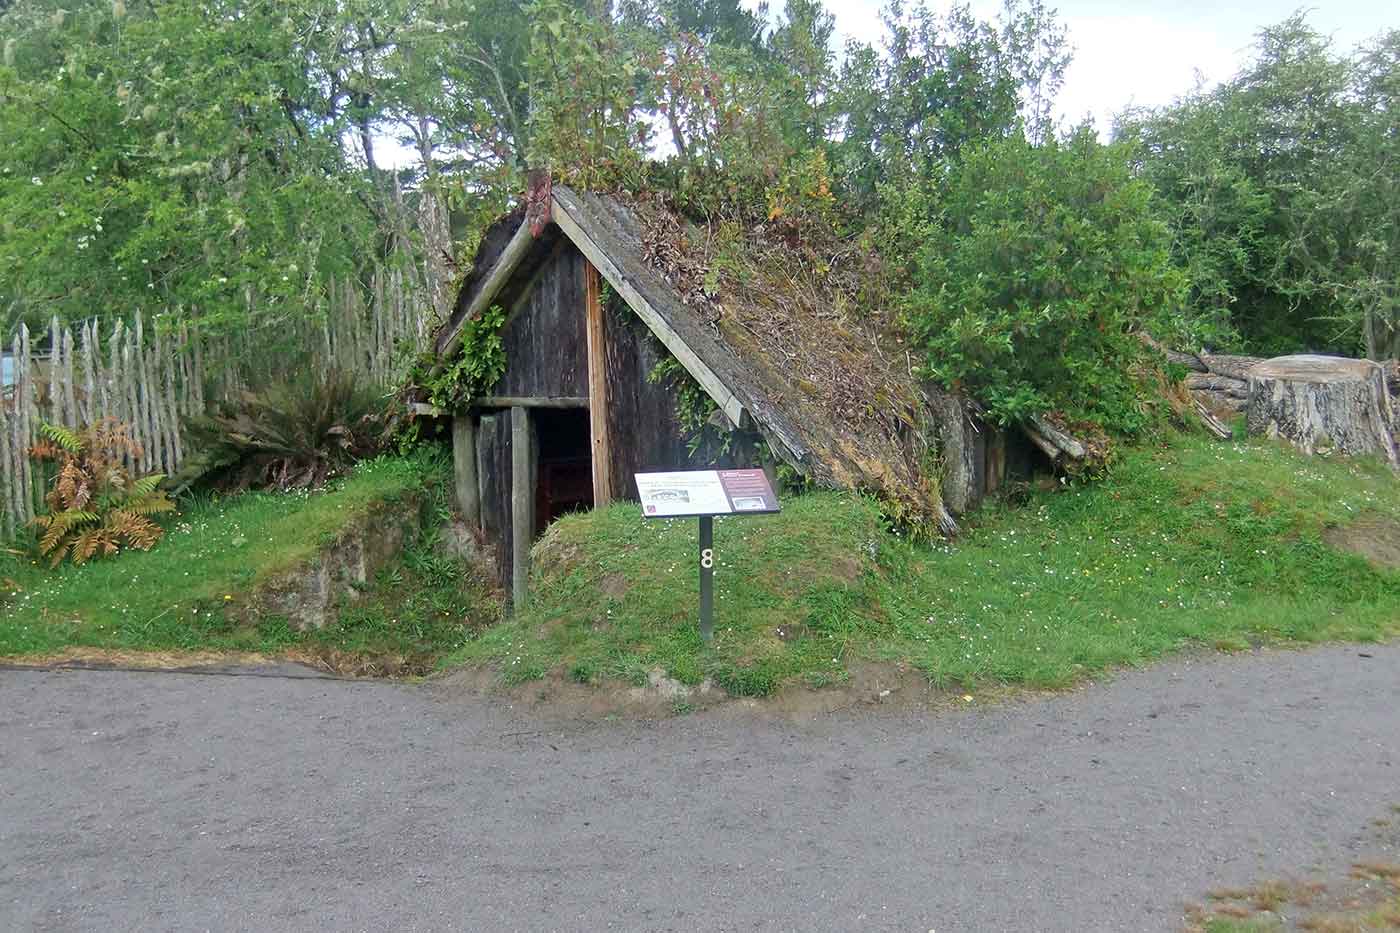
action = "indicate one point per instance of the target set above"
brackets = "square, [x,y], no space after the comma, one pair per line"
[577,411]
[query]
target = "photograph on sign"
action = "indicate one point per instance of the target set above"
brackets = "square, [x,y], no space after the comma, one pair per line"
[748,490]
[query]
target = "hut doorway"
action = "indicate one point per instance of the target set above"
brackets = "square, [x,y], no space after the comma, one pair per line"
[565,478]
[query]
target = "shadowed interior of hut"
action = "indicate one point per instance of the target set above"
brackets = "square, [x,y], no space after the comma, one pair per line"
[565,465]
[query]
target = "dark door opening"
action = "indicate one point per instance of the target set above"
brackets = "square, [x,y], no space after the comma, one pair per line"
[565,464]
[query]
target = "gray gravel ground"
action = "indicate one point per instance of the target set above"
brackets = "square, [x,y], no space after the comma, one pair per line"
[179,801]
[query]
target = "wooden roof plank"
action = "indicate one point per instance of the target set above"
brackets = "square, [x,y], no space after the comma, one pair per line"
[496,279]
[569,216]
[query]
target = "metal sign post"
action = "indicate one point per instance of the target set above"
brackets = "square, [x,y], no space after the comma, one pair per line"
[705,494]
[707,578]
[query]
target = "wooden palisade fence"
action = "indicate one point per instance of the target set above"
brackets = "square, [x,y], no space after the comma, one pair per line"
[153,377]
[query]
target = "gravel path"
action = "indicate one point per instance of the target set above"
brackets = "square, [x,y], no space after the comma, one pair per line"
[180,801]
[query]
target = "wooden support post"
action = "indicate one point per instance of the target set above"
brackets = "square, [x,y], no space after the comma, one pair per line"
[597,386]
[464,469]
[522,503]
[996,459]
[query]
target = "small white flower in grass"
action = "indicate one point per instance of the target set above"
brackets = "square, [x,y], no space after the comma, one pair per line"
[38,181]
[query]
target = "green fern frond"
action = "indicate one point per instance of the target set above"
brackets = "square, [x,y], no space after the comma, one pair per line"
[146,485]
[154,504]
[63,437]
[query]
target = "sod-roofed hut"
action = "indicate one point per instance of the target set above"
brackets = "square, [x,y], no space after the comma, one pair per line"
[600,293]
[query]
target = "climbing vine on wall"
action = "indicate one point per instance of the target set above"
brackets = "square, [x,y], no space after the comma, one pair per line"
[695,410]
[473,371]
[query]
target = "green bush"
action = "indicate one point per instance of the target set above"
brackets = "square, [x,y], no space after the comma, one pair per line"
[292,434]
[1040,264]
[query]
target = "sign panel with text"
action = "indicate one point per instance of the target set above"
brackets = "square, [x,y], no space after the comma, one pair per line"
[705,492]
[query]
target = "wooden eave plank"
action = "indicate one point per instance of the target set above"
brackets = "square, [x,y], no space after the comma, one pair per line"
[727,401]
[496,279]
[530,401]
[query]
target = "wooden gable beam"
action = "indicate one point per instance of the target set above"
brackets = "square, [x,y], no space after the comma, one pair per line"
[728,403]
[496,279]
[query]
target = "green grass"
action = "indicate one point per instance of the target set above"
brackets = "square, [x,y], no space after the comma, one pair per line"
[1189,543]
[187,592]
[616,596]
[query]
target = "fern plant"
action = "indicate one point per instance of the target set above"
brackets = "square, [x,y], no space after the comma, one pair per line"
[96,506]
[291,434]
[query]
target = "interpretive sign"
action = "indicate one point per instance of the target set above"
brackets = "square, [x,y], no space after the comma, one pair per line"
[704,494]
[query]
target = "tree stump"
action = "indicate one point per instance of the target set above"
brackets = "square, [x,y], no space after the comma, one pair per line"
[1322,403]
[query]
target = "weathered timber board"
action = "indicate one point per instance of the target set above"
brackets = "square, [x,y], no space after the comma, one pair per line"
[544,343]
[494,460]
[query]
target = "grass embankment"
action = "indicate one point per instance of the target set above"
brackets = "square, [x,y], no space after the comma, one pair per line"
[189,593]
[1189,543]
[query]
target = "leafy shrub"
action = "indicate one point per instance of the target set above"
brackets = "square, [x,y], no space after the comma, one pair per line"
[1039,266]
[96,505]
[292,434]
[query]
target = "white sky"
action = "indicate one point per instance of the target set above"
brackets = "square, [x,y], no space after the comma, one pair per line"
[1147,54]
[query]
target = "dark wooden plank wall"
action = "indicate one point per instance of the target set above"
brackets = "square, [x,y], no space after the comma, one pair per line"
[544,341]
[642,414]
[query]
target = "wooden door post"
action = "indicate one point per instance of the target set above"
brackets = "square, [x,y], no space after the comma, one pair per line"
[522,503]
[464,468]
[601,450]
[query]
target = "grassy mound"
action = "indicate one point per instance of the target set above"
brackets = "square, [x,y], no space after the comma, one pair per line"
[614,596]
[1189,543]
[189,592]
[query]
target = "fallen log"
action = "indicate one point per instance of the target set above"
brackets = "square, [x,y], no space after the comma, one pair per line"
[1323,403]
[1188,360]
[1213,424]
[1233,367]
[1051,440]
[1178,357]
[1219,401]
[1197,382]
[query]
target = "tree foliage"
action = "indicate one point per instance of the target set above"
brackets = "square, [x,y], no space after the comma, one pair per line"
[1040,267]
[175,154]
[1281,188]
[224,159]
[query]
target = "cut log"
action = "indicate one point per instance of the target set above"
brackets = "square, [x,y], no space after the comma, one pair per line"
[1233,367]
[1188,360]
[1198,382]
[1220,401]
[1323,403]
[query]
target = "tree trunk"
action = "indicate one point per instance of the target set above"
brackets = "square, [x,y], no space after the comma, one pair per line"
[1322,403]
